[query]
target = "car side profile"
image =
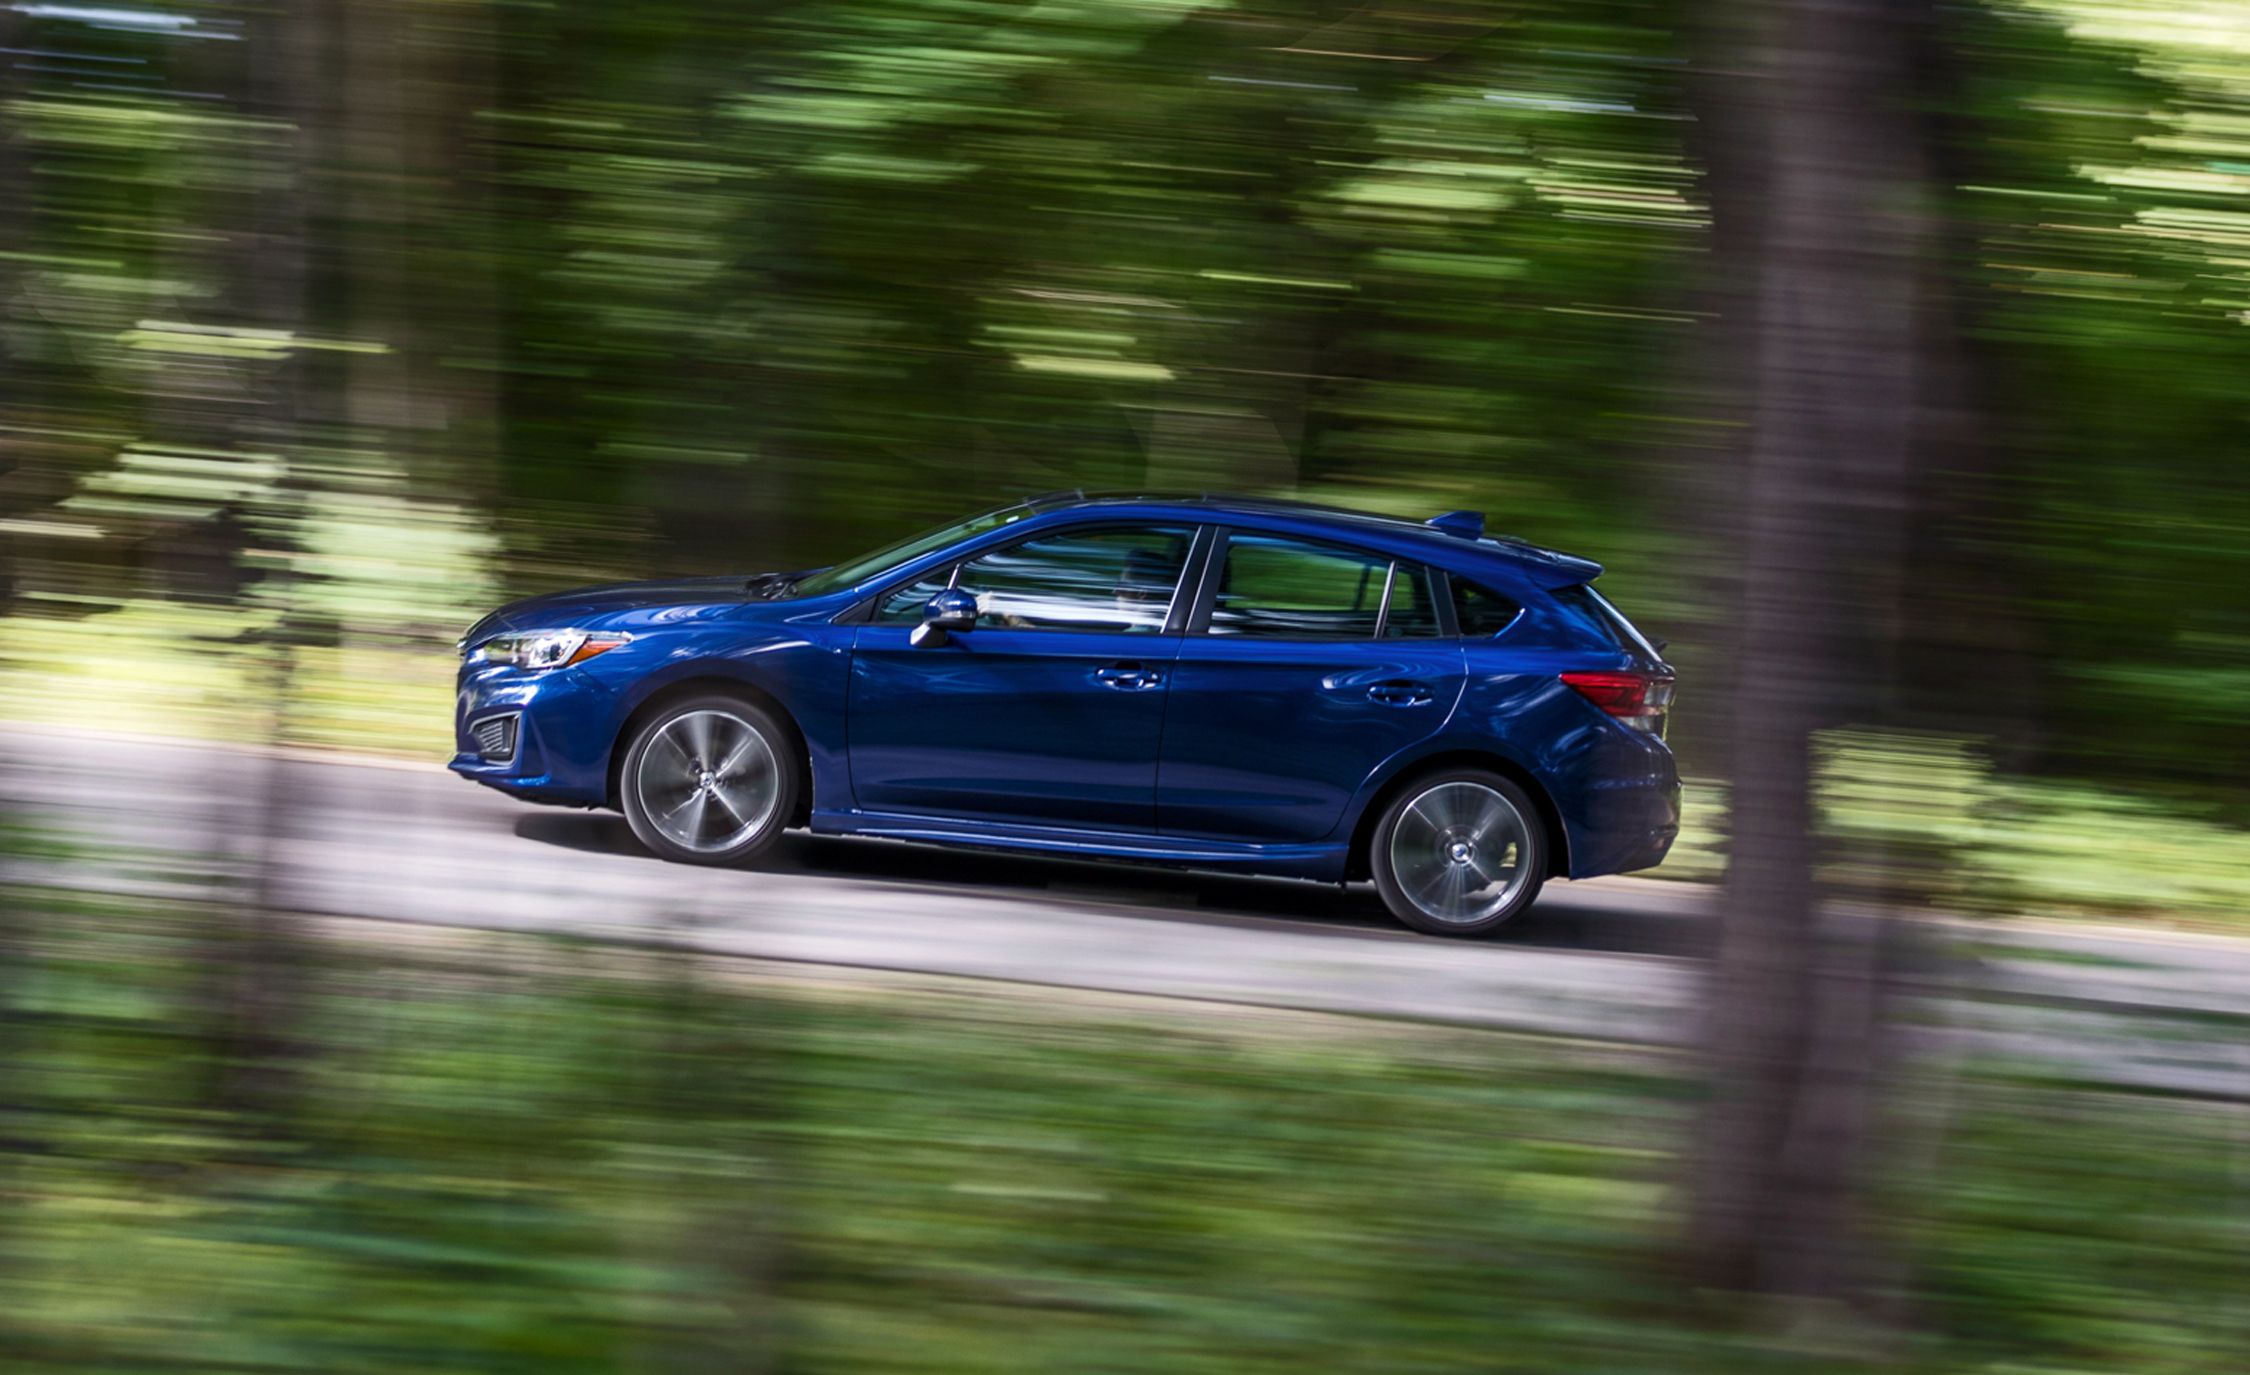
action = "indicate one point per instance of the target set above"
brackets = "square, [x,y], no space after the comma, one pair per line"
[1221,683]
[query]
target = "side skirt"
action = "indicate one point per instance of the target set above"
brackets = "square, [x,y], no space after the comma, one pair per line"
[1323,862]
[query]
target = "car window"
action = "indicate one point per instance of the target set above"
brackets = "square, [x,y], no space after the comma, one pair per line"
[906,550]
[1276,588]
[903,605]
[1593,610]
[1480,611]
[1119,579]
[1413,612]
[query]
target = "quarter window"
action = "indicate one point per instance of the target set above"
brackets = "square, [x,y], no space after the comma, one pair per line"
[1481,612]
[1119,579]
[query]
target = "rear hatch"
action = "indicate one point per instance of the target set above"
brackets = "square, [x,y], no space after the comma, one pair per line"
[1640,697]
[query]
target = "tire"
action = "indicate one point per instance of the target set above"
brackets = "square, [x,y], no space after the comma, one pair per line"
[1459,853]
[710,779]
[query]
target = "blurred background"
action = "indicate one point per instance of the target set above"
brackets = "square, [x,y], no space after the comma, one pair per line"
[1889,353]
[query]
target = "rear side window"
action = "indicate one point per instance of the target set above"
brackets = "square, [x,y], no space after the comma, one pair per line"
[1480,611]
[1274,588]
[1413,613]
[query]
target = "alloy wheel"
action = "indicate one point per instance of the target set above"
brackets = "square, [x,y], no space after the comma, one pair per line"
[709,780]
[1460,852]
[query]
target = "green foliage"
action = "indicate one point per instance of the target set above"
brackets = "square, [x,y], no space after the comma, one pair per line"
[522,1155]
[459,299]
[1924,821]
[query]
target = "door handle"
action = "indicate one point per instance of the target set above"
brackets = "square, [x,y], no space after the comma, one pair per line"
[1127,677]
[1400,694]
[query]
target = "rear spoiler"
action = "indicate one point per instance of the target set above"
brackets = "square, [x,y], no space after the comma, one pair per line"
[1550,568]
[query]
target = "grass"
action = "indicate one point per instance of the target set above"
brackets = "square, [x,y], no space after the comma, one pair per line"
[1981,844]
[513,1154]
[2026,952]
[200,672]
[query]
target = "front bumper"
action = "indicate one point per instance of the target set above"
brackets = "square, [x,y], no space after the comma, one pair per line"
[564,725]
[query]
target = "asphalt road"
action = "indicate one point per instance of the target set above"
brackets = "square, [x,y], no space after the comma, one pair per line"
[1615,959]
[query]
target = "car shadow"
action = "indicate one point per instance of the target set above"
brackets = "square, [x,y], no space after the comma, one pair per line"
[1567,917]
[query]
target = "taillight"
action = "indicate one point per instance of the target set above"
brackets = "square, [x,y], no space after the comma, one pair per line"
[1638,699]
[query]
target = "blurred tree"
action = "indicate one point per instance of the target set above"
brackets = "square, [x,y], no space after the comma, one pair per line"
[1836,305]
[284,269]
[15,205]
[677,285]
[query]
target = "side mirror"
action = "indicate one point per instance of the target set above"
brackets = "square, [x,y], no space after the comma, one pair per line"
[944,615]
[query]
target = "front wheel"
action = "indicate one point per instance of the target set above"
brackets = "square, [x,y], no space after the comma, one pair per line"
[1459,853]
[710,780]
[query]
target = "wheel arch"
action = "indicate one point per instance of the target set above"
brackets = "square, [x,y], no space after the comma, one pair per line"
[722,684]
[1357,861]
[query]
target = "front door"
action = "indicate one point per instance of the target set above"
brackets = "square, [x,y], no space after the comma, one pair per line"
[1319,662]
[1051,710]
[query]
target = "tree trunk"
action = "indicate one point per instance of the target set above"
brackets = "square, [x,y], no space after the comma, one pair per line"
[1833,308]
[16,211]
[276,270]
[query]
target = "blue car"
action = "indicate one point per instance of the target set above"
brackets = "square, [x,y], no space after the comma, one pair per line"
[1222,683]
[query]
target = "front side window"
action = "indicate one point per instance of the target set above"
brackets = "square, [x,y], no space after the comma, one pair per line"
[1275,588]
[1118,579]
[903,605]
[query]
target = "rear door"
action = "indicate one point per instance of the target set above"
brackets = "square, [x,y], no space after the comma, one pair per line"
[1312,664]
[1050,711]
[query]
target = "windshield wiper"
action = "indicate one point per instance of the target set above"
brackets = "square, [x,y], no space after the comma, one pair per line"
[764,585]
[772,587]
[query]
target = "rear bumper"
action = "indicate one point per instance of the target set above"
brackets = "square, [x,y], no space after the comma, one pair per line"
[1625,824]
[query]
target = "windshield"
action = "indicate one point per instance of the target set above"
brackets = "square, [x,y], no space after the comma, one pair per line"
[866,566]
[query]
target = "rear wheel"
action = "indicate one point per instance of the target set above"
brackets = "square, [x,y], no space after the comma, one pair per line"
[1459,853]
[710,780]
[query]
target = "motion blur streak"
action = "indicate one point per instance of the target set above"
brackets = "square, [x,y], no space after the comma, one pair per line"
[1888,353]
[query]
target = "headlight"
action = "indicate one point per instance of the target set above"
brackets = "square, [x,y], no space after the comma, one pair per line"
[540,649]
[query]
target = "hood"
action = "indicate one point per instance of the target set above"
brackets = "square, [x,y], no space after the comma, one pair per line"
[557,610]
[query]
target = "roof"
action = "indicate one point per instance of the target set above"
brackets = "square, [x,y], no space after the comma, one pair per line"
[1554,567]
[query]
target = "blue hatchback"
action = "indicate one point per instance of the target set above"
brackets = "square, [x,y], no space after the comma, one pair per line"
[1221,683]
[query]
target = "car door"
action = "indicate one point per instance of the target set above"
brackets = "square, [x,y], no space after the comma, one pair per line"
[1050,711]
[1313,663]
